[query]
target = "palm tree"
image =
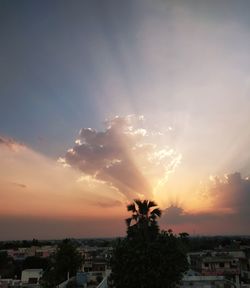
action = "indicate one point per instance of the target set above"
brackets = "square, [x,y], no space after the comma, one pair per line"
[144,218]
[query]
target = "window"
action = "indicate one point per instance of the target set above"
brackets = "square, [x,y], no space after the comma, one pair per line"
[33,280]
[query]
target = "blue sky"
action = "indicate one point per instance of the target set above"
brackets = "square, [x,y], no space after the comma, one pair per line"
[69,65]
[54,60]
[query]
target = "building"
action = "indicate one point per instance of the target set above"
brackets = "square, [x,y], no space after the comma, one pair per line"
[31,276]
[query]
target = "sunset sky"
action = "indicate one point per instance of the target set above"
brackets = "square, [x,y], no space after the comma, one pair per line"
[102,102]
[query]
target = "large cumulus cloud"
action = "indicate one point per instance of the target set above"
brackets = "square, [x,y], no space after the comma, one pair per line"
[123,156]
[232,193]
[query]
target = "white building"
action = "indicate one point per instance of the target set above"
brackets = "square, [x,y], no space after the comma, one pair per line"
[31,276]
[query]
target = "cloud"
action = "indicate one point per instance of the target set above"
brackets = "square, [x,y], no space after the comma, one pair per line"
[37,191]
[176,215]
[32,184]
[230,197]
[10,143]
[20,185]
[125,155]
[232,192]
[106,203]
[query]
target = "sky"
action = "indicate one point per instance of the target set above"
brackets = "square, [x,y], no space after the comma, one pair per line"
[103,102]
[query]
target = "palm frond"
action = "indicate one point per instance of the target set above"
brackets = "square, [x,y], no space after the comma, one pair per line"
[135,217]
[156,211]
[140,205]
[151,204]
[138,202]
[128,221]
[131,207]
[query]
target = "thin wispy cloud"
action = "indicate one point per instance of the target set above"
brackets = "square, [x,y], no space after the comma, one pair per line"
[10,143]
[33,184]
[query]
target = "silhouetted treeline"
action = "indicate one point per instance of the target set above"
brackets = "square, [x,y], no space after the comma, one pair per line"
[209,243]
[23,244]
[195,243]
[95,242]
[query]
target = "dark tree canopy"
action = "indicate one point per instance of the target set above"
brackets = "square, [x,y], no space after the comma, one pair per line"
[147,258]
[7,268]
[66,261]
[35,262]
[143,222]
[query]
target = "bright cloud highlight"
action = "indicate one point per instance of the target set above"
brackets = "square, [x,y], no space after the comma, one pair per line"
[126,156]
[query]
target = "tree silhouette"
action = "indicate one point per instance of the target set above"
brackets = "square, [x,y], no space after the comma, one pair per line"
[147,258]
[65,262]
[144,218]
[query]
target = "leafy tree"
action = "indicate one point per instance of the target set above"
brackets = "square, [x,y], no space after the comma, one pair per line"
[147,258]
[4,258]
[66,261]
[144,218]
[34,262]
[7,267]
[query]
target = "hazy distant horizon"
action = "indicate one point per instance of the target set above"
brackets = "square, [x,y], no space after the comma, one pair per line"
[116,237]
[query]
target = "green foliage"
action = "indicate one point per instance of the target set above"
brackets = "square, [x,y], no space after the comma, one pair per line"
[67,260]
[148,258]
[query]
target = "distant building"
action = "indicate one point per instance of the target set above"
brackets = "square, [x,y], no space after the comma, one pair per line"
[220,265]
[205,282]
[7,283]
[233,264]
[31,276]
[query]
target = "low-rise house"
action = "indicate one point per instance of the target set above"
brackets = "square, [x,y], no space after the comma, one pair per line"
[45,251]
[220,265]
[205,282]
[31,276]
[7,283]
